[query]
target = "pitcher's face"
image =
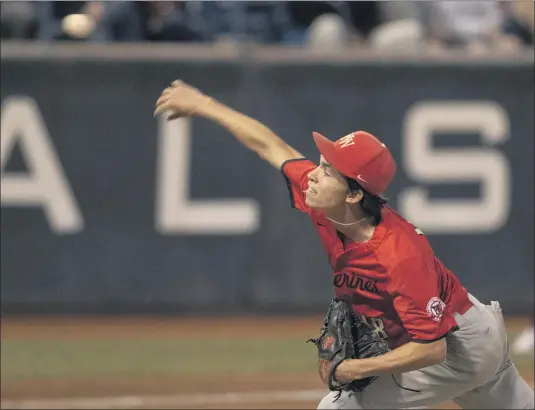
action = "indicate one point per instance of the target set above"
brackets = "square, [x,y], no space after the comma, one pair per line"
[327,188]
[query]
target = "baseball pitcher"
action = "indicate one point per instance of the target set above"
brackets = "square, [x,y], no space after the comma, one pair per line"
[401,332]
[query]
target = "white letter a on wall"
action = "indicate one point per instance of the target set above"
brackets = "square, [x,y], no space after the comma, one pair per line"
[45,183]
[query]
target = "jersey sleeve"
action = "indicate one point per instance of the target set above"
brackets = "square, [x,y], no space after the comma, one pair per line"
[415,290]
[295,173]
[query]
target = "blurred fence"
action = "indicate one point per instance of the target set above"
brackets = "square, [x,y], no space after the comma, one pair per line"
[104,209]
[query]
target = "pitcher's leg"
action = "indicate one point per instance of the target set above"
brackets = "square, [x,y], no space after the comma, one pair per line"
[508,390]
[385,393]
[329,402]
[348,403]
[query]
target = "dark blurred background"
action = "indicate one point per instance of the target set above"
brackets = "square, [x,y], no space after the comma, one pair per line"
[471,25]
[142,261]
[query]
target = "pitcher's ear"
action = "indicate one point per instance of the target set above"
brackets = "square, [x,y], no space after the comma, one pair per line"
[354,197]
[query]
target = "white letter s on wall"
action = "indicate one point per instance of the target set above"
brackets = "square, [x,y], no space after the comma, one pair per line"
[486,165]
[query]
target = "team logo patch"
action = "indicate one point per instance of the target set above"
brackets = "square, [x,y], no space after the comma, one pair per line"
[435,308]
[328,342]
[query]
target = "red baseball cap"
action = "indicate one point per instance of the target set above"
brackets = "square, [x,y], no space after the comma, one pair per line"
[359,156]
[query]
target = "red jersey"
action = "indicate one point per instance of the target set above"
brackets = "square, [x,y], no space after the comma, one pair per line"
[394,281]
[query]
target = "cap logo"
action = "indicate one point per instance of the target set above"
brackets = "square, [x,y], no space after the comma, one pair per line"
[347,140]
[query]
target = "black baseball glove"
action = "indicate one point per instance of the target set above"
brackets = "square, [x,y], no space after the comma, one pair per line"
[342,337]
